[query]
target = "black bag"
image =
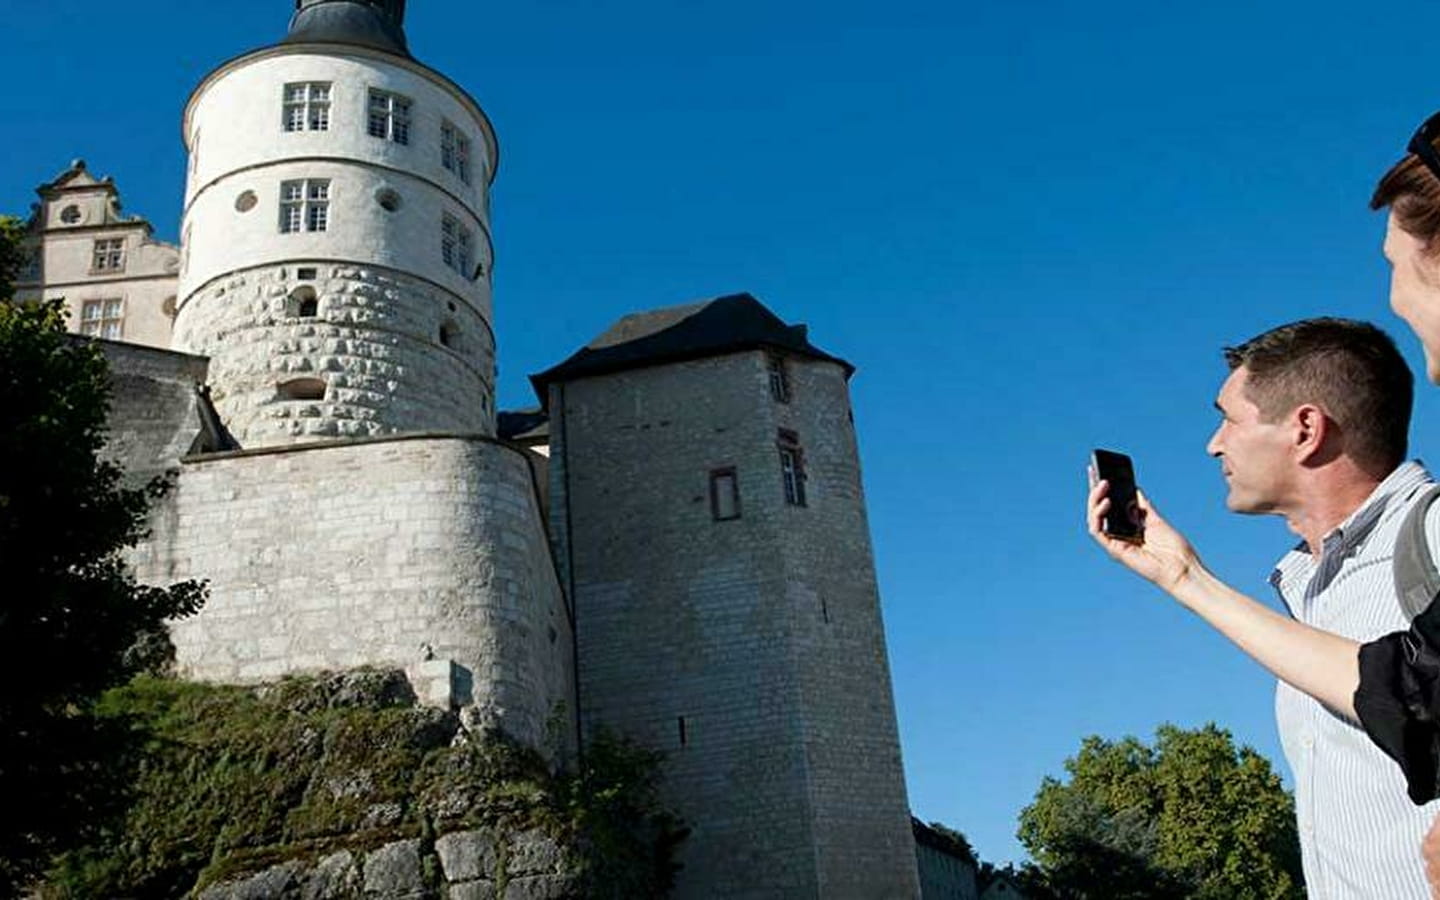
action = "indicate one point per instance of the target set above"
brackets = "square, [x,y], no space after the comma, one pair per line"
[1398,700]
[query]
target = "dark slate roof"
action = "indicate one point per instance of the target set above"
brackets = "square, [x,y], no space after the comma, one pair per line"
[525,426]
[366,23]
[728,324]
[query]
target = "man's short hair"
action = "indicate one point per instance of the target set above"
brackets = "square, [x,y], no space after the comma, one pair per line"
[1351,370]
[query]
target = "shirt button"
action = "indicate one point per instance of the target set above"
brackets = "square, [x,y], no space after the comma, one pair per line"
[1307,740]
[1308,827]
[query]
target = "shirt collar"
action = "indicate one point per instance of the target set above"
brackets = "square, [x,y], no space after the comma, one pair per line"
[1402,481]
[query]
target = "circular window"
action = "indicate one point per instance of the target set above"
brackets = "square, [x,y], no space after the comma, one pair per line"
[388,199]
[245,202]
[71,214]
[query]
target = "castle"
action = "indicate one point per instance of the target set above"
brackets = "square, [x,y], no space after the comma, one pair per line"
[674,546]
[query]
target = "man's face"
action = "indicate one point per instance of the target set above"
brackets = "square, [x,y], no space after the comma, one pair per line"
[1254,455]
[1415,290]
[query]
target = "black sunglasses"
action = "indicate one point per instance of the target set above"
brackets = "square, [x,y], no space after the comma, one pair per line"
[1421,144]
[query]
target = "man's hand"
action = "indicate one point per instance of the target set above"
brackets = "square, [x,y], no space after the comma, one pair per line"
[1165,557]
[1430,851]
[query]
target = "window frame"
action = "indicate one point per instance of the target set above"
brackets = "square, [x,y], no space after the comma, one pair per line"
[309,110]
[107,254]
[391,120]
[779,375]
[304,205]
[457,245]
[455,150]
[717,477]
[792,468]
[108,320]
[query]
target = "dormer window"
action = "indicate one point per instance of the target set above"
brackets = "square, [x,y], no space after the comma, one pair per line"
[109,255]
[389,116]
[71,215]
[307,106]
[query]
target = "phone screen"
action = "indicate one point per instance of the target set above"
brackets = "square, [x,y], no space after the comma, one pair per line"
[1123,519]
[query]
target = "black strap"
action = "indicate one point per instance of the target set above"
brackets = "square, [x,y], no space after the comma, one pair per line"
[1417,581]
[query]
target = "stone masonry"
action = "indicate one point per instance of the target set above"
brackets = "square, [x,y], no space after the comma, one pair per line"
[374,344]
[425,552]
[750,650]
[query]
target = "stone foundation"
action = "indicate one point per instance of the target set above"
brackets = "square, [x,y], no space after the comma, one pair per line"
[424,553]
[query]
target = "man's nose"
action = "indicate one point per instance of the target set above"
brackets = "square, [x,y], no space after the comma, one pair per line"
[1213,447]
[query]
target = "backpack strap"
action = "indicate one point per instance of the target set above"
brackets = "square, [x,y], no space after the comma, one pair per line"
[1417,582]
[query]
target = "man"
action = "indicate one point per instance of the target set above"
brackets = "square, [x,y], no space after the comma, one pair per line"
[1314,420]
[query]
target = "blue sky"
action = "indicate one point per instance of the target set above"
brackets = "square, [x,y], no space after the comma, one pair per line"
[1031,226]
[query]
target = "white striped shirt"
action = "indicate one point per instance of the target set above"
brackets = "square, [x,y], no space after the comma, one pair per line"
[1359,833]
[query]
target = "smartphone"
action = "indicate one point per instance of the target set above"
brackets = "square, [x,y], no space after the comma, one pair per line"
[1123,519]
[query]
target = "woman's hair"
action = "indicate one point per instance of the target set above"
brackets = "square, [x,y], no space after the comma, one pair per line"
[1412,192]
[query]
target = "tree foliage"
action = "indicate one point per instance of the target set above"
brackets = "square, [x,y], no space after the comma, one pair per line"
[71,615]
[1190,817]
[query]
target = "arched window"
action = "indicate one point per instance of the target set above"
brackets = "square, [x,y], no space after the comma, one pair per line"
[301,389]
[450,335]
[303,302]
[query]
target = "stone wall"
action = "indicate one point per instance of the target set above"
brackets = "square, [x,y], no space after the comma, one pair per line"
[470,864]
[426,553]
[750,650]
[154,414]
[374,342]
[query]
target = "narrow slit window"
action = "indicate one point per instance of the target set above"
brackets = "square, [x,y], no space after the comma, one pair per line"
[680,728]
[724,495]
[792,467]
[779,379]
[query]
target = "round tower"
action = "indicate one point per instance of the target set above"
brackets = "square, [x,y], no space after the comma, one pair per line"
[336,240]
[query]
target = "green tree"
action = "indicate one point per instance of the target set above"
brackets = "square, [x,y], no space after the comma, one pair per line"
[71,616]
[1190,817]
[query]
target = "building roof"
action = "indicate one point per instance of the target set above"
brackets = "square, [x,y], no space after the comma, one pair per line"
[729,324]
[378,24]
[523,426]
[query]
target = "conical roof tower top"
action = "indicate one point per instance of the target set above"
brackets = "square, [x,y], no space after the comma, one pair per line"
[378,24]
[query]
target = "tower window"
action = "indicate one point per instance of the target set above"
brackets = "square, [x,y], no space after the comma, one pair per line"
[450,335]
[724,495]
[792,467]
[779,379]
[307,106]
[301,389]
[305,205]
[457,246]
[102,318]
[109,255]
[389,117]
[455,151]
[303,303]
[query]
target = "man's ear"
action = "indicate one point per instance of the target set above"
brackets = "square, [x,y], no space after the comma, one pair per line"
[1310,430]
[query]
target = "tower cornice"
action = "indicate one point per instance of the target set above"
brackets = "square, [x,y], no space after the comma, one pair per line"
[355,52]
